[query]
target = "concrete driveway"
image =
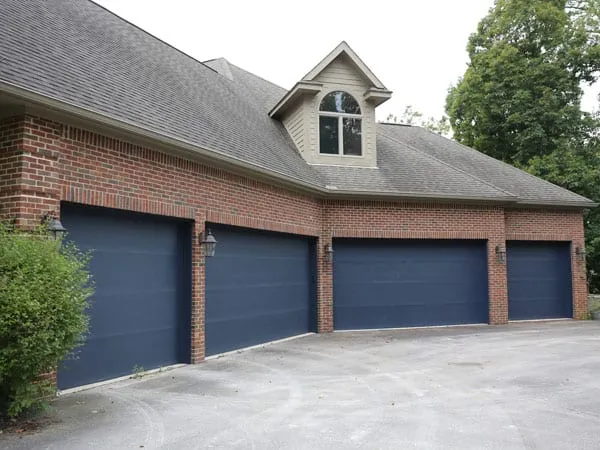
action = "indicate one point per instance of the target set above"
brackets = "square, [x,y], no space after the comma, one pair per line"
[523,386]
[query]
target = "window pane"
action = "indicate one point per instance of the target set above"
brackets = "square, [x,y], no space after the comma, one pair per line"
[352,137]
[341,102]
[328,135]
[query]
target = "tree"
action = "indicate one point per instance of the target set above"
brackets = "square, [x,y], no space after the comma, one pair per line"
[519,99]
[520,95]
[412,117]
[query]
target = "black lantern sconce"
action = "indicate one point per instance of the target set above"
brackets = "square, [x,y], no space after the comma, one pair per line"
[54,226]
[580,253]
[328,253]
[501,253]
[208,243]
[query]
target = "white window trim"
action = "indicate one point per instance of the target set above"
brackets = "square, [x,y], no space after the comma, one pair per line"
[341,117]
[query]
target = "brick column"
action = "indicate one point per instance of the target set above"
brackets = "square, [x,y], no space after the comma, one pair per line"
[31,185]
[579,275]
[497,276]
[498,286]
[325,277]
[198,324]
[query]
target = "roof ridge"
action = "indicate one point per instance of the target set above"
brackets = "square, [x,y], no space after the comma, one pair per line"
[151,35]
[396,124]
[466,147]
[493,186]
[254,75]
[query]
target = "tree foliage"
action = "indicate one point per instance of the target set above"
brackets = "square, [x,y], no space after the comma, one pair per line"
[44,291]
[413,117]
[520,97]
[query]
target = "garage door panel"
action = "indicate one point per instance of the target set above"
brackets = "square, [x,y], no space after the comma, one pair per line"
[259,287]
[246,331]
[536,287]
[148,348]
[539,280]
[139,314]
[247,302]
[105,321]
[148,269]
[416,315]
[385,283]
[282,271]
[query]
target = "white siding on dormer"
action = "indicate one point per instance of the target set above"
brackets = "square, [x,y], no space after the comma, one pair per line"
[341,71]
[294,124]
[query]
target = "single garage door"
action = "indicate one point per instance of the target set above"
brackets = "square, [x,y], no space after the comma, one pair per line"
[260,287]
[140,311]
[539,280]
[405,283]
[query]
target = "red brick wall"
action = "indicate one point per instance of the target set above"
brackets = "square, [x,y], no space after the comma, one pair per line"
[24,187]
[55,162]
[552,225]
[379,219]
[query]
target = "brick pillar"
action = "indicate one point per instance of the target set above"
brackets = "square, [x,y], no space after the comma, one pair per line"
[325,275]
[497,276]
[579,275]
[11,135]
[325,287]
[30,154]
[198,327]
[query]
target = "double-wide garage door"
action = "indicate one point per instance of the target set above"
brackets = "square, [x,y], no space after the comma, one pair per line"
[140,311]
[260,286]
[405,283]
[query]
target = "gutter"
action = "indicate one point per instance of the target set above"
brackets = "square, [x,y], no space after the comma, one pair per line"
[588,204]
[413,196]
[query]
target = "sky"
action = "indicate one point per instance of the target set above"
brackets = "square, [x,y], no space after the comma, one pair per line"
[417,48]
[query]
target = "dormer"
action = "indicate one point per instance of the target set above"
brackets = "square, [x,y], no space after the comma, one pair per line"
[330,113]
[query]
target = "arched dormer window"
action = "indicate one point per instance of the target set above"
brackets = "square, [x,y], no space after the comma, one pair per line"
[340,125]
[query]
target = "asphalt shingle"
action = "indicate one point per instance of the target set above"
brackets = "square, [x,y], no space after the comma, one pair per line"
[526,187]
[77,52]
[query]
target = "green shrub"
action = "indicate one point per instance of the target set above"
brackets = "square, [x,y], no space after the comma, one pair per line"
[44,292]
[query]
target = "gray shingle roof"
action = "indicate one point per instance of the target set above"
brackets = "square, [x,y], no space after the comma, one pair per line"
[529,189]
[410,172]
[77,52]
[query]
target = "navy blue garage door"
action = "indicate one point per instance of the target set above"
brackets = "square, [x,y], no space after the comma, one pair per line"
[539,280]
[260,287]
[402,283]
[140,312]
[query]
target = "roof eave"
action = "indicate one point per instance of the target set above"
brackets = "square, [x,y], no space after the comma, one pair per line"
[377,96]
[557,204]
[416,196]
[300,89]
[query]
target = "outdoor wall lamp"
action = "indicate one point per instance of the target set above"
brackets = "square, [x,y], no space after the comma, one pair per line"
[328,253]
[501,253]
[581,253]
[54,226]
[208,243]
